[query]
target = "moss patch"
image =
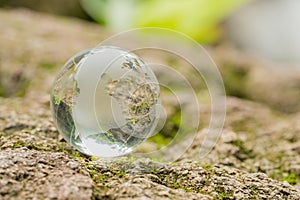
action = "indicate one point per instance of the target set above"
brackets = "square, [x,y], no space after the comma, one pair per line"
[290,177]
[48,65]
[235,79]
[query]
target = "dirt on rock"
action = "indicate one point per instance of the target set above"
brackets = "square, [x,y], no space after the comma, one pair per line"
[257,156]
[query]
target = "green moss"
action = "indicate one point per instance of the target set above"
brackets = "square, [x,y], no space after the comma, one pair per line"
[292,178]
[223,195]
[20,88]
[144,107]
[237,143]
[205,166]
[169,131]
[160,140]
[78,155]
[130,159]
[187,189]
[98,177]
[253,188]
[235,79]
[175,185]
[243,153]
[92,172]
[62,145]
[48,66]
[93,158]
[102,177]
[23,88]
[176,119]
[57,100]
[1,91]
[33,146]
[18,144]
[121,174]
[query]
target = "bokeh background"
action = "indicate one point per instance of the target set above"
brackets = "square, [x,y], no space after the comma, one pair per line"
[260,33]
[264,28]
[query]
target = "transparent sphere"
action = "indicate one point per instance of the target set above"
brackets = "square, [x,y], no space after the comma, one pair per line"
[105,101]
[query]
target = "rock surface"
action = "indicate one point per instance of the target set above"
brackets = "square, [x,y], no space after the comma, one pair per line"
[257,156]
[32,174]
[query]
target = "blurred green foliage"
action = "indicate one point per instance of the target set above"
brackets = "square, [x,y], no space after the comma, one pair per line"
[200,19]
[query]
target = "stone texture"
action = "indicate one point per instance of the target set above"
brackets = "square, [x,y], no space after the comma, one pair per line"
[29,174]
[186,180]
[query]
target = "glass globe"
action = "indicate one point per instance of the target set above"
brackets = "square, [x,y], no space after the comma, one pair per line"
[105,101]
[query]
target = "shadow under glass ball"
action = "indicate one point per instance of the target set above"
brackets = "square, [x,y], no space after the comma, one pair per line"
[105,101]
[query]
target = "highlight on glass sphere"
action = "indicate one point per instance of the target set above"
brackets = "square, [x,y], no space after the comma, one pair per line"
[105,101]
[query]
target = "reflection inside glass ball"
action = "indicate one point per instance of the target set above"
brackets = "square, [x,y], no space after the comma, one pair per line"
[105,101]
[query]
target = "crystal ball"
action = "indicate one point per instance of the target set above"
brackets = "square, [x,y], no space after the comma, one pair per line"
[105,101]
